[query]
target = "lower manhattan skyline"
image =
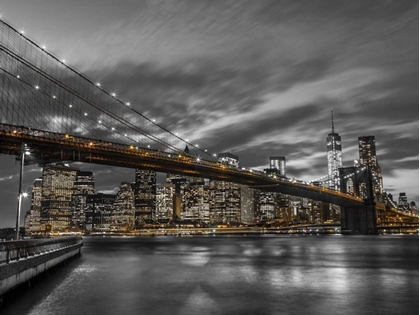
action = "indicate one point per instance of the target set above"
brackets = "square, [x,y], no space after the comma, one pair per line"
[254,79]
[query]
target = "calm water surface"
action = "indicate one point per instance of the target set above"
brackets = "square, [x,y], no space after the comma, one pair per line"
[233,275]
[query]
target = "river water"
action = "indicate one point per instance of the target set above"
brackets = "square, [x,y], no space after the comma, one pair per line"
[296,274]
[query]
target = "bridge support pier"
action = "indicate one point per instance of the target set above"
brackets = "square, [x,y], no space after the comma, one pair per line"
[359,220]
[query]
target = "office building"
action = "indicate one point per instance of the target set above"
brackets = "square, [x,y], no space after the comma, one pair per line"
[99,214]
[247,204]
[56,197]
[145,194]
[225,197]
[278,163]
[35,227]
[402,202]
[367,157]
[164,201]
[84,186]
[123,216]
[334,157]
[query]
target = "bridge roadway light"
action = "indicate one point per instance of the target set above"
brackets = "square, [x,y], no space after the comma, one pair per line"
[24,151]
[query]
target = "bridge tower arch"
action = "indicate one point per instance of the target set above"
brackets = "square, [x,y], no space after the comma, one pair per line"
[362,219]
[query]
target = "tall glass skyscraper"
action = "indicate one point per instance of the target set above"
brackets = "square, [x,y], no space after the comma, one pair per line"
[334,157]
[367,157]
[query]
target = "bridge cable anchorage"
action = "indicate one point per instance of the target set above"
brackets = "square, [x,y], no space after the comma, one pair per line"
[113,95]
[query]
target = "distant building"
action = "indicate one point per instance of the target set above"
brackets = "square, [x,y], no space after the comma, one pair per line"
[402,202]
[56,203]
[265,203]
[123,216]
[164,201]
[35,226]
[367,157]
[334,157]
[225,197]
[228,158]
[278,163]
[145,194]
[100,210]
[247,204]
[84,186]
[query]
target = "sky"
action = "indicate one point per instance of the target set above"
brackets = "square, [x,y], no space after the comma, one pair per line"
[254,78]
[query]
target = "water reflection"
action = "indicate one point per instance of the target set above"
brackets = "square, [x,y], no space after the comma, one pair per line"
[260,275]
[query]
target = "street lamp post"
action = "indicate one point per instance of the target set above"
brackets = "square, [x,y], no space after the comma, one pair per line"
[24,151]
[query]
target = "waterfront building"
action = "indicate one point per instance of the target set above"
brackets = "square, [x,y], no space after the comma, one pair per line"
[190,197]
[56,197]
[84,186]
[225,197]
[35,227]
[334,157]
[225,202]
[123,215]
[195,200]
[164,201]
[145,194]
[247,204]
[367,157]
[100,210]
[283,210]
[265,205]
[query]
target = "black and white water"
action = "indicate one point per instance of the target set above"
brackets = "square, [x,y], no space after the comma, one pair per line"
[305,274]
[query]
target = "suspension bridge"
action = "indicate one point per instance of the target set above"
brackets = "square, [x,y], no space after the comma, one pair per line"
[63,116]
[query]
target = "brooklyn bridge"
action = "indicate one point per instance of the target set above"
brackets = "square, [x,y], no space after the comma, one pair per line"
[62,116]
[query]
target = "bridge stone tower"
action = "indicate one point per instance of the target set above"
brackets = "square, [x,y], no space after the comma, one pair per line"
[358,219]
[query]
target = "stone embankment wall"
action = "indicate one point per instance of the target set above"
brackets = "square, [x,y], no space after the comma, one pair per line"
[20,261]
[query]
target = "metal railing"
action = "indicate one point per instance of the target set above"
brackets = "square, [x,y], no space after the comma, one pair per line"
[11,251]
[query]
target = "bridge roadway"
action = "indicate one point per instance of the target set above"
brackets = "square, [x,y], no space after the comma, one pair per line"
[48,147]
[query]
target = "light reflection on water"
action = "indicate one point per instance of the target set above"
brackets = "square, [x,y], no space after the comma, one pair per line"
[232,275]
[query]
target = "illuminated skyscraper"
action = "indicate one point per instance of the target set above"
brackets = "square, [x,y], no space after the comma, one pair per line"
[84,186]
[278,163]
[35,216]
[57,190]
[225,197]
[367,156]
[334,157]
[123,216]
[145,194]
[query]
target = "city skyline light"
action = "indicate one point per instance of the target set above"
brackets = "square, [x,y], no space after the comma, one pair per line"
[254,78]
